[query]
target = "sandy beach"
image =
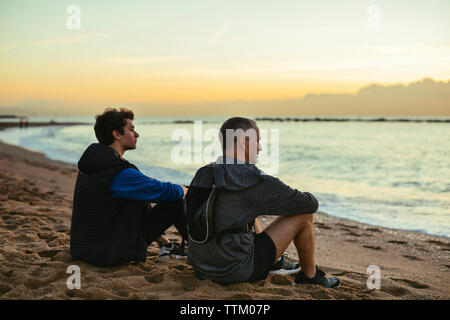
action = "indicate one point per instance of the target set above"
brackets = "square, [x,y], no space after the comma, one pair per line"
[35,211]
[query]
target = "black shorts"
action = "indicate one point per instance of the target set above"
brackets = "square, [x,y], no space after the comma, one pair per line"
[265,254]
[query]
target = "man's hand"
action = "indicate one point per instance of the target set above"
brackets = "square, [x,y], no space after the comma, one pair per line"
[185,190]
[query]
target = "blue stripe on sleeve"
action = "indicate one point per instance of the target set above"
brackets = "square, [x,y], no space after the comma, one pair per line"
[132,184]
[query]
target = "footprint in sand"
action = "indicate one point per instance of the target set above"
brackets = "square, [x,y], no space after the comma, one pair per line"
[397,242]
[49,253]
[351,279]
[395,291]
[439,243]
[373,229]
[155,277]
[373,248]
[182,267]
[413,283]
[282,280]
[346,225]
[323,226]
[187,280]
[413,258]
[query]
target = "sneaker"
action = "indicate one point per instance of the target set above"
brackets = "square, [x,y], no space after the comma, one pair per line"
[284,266]
[171,250]
[319,278]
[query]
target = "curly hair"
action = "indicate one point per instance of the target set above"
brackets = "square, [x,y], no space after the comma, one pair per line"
[111,119]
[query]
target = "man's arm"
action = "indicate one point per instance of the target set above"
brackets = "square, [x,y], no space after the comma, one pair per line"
[274,197]
[132,184]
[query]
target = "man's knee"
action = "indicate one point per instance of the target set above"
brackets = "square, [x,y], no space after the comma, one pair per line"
[305,219]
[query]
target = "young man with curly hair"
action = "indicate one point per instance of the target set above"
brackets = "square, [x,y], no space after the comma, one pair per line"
[112,219]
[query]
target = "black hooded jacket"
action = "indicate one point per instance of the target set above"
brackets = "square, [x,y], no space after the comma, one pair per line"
[105,230]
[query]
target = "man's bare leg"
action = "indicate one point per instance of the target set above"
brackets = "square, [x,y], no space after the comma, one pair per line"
[257,226]
[299,229]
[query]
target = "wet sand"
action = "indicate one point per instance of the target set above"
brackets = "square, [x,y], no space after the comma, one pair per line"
[35,211]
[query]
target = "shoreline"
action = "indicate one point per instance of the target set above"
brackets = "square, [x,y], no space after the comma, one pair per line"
[382,119]
[7,125]
[35,211]
[344,119]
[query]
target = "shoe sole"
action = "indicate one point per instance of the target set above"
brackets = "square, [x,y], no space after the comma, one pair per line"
[284,271]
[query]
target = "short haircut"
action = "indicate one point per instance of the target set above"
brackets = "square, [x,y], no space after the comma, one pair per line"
[111,119]
[234,123]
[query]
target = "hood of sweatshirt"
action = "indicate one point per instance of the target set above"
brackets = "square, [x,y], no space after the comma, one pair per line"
[234,176]
[98,157]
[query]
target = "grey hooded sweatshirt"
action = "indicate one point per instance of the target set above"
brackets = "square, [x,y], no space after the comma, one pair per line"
[244,192]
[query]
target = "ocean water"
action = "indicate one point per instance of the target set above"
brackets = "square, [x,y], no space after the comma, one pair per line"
[390,174]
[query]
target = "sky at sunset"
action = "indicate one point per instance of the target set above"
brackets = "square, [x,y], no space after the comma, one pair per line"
[182,57]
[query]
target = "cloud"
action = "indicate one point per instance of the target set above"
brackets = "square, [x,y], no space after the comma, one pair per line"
[423,97]
[221,31]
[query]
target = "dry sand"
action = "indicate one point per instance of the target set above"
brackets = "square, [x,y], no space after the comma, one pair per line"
[35,211]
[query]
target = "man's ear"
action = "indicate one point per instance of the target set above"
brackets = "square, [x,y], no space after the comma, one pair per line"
[116,135]
[240,142]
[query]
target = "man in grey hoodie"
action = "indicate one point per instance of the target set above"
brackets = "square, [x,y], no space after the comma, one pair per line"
[237,254]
